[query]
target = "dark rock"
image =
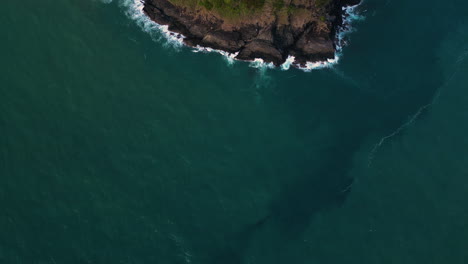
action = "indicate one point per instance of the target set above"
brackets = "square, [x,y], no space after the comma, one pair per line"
[261,49]
[312,45]
[156,15]
[192,42]
[350,2]
[249,32]
[311,41]
[283,36]
[228,41]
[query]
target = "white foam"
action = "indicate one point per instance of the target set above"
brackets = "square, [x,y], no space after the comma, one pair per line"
[261,64]
[320,64]
[134,9]
[230,57]
[287,64]
[350,15]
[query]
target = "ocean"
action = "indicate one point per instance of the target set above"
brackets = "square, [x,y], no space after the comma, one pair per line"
[118,145]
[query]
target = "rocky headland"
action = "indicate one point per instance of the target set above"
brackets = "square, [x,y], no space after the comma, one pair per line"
[271,30]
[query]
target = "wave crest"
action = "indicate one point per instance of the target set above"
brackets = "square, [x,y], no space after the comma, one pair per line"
[134,10]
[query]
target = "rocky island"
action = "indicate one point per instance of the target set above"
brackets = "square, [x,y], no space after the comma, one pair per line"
[271,30]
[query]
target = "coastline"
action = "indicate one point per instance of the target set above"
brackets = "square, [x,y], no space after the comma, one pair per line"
[322,49]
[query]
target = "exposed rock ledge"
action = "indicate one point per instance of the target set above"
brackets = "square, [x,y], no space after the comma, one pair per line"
[308,35]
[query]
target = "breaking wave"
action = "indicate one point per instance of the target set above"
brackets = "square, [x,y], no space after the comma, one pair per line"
[350,14]
[134,10]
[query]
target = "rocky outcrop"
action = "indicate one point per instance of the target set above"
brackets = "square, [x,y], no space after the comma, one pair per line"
[308,36]
[261,49]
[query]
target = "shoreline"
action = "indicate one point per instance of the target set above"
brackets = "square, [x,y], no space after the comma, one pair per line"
[268,55]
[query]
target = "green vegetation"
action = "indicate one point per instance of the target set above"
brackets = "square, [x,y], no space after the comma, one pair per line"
[291,9]
[236,9]
[206,4]
[322,3]
[230,8]
[278,4]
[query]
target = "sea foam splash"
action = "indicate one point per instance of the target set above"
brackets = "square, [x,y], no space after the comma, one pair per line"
[230,57]
[350,14]
[134,10]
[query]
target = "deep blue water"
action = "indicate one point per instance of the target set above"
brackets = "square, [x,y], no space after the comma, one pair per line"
[116,147]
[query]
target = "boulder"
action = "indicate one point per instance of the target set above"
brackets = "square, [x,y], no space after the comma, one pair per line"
[228,41]
[261,49]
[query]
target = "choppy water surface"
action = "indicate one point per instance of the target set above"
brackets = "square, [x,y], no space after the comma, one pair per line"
[116,147]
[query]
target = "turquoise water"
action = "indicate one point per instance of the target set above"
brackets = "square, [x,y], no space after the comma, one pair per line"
[118,148]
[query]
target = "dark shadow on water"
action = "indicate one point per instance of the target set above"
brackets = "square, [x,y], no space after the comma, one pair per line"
[394,71]
[292,211]
[236,246]
[402,76]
